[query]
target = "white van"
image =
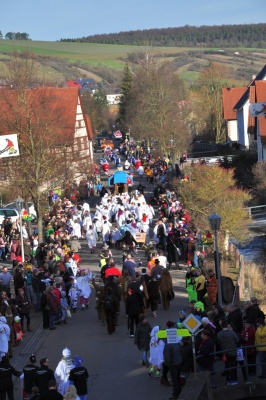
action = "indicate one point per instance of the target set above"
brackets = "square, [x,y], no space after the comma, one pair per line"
[8,213]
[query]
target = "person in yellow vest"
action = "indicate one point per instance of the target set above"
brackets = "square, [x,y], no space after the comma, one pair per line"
[260,340]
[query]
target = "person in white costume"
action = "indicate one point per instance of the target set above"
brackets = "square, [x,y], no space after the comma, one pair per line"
[156,353]
[4,336]
[91,237]
[86,221]
[83,285]
[63,370]
[76,229]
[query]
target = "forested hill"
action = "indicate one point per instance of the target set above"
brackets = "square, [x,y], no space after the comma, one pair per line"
[251,35]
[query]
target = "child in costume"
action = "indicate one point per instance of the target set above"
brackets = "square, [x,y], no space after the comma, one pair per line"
[156,353]
[17,331]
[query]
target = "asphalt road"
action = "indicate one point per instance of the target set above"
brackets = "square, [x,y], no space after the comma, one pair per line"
[113,362]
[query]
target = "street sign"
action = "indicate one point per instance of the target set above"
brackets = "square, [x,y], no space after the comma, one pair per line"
[191,323]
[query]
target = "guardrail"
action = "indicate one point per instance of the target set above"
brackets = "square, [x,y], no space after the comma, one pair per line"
[209,160]
[257,212]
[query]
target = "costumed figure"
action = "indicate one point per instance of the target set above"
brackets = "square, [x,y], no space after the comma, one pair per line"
[83,285]
[91,237]
[63,370]
[73,295]
[156,353]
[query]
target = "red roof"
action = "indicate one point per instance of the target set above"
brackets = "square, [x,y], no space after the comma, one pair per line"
[58,105]
[260,87]
[230,97]
[72,84]
[251,120]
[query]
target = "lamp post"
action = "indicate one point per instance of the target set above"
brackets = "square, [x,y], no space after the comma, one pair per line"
[19,203]
[171,141]
[215,222]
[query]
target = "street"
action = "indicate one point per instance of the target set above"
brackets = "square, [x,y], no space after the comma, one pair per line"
[113,362]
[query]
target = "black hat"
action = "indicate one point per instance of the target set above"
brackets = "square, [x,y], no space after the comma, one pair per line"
[32,359]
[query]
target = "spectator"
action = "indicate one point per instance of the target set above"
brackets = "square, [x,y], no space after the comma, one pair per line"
[253,312]
[248,339]
[5,279]
[228,341]
[51,393]
[260,339]
[23,308]
[205,356]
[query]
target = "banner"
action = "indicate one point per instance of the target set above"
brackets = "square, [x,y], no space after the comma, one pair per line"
[257,109]
[9,146]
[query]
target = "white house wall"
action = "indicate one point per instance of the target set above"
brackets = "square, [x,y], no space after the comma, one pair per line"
[232,130]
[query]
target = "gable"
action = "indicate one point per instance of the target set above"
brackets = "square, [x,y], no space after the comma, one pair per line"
[230,97]
[260,87]
[37,106]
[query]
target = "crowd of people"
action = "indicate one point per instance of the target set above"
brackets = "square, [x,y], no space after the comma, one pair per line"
[53,281]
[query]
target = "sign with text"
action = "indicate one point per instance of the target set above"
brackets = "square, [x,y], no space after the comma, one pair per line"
[172,336]
[140,237]
[9,146]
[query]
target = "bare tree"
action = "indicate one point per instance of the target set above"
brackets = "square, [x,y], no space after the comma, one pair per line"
[158,108]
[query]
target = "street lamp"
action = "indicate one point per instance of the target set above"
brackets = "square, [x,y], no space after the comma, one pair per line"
[19,204]
[171,141]
[215,222]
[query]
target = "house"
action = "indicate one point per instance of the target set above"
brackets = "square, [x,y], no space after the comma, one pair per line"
[68,127]
[230,97]
[241,127]
[260,97]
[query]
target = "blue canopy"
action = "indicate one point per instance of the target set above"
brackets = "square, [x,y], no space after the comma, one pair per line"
[119,177]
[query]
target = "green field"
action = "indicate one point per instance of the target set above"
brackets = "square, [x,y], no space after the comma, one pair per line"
[70,60]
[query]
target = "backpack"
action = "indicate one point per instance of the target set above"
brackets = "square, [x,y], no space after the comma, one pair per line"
[108,303]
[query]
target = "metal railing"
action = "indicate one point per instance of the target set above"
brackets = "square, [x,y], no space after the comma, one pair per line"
[257,212]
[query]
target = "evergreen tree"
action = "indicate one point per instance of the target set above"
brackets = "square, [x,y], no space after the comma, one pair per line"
[126,87]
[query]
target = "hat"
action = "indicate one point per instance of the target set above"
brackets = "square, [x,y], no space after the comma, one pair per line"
[105,246]
[205,320]
[182,312]
[66,352]
[16,319]
[32,359]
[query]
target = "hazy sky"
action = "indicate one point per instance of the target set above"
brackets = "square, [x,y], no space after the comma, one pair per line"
[55,19]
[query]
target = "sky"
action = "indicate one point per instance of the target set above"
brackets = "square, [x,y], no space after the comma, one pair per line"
[51,20]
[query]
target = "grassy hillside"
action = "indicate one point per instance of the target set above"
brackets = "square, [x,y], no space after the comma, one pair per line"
[59,61]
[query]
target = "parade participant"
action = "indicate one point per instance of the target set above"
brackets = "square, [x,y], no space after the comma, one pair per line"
[83,285]
[64,307]
[4,336]
[17,331]
[134,307]
[79,377]
[91,237]
[73,294]
[63,370]
[111,307]
[156,353]
[99,294]
[212,287]
[142,338]
[166,288]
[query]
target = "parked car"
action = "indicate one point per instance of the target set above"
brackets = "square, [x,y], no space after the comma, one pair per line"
[31,208]
[8,213]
